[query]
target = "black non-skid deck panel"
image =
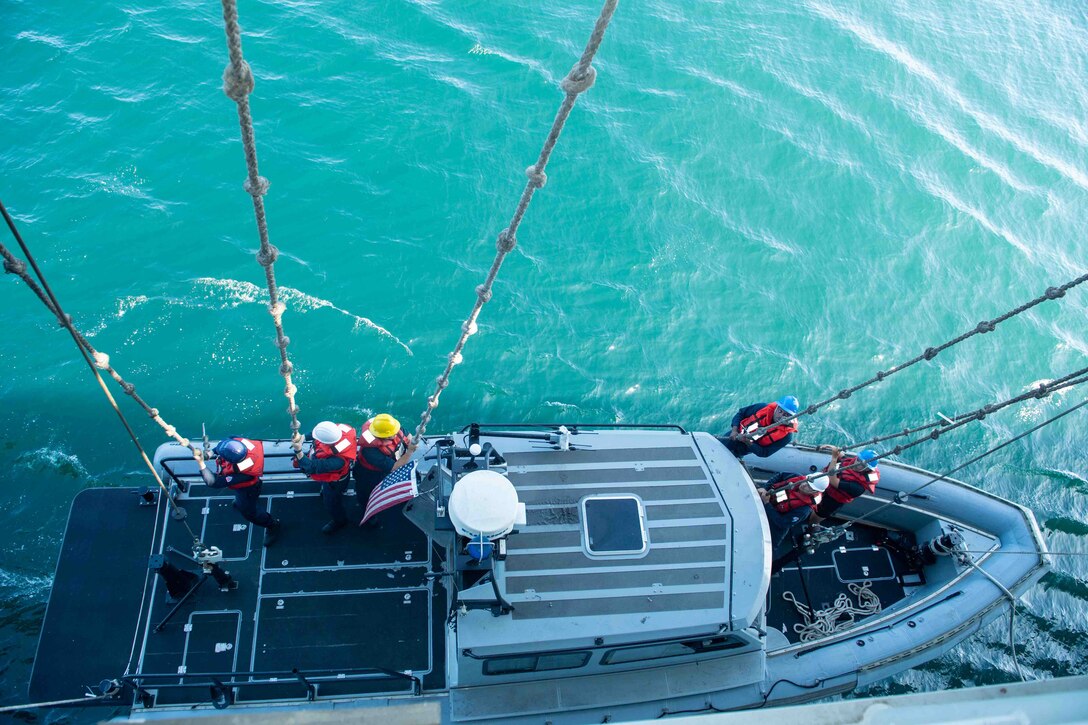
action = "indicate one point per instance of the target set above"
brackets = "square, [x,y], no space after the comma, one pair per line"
[828,573]
[310,602]
[94,605]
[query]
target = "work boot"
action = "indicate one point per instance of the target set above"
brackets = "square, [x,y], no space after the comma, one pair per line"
[272,532]
[333,526]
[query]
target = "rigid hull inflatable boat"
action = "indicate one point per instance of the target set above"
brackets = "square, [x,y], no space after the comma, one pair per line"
[549,573]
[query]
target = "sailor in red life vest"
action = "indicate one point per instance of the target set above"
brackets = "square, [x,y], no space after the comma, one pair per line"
[789,499]
[742,438]
[847,485]
[241,464]
[330,463]
[383,447]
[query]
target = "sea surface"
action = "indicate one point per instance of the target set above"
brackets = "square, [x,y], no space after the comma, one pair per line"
[756,198]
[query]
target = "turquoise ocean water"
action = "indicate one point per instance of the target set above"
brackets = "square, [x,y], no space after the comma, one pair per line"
[755,198]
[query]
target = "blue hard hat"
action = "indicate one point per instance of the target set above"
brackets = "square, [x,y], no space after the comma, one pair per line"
[868,457]
[790,404]
[230,450]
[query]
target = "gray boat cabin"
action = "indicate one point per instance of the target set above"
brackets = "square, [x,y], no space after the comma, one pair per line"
[552,573]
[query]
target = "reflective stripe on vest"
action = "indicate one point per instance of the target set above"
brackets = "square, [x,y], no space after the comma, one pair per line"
[764,418]
[789,496]
[251,465]
[344,449]
[389,447]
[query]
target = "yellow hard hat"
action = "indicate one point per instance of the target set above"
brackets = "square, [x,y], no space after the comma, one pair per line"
[384,425]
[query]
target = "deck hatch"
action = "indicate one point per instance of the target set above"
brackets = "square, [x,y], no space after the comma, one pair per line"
[614,525]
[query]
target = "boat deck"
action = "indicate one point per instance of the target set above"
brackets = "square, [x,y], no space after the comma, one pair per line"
[817,580]
[312,616]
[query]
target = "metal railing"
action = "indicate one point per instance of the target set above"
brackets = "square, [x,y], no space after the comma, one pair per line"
[221,685]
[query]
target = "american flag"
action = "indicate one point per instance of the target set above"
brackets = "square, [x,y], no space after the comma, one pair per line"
[398,487]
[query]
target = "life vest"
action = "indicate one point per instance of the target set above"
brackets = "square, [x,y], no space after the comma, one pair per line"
[389,447]
[764,418]
[867,479]
[251,465]
[344,449]
[787,495]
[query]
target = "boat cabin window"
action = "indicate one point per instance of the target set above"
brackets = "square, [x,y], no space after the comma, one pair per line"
[669,649]
[614,525]
[535,663]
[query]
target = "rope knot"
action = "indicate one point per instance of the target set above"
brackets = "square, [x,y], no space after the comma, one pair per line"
[101,360]
[537,177]
[283,342]
[934,435]
[258,189]
[506,241]
[985,326]
[15,266]
[469,327]
[576,82]
[456,358]
[897,450]
[843,394]
[483,292]
[1042,391]
[289,390]
[286,368]
[153,413]
[880,374]
[129,388]
[170,430]
[238,81]
[810,409]
[980,415]
[267,257]
[443,382]
[930,353]
[293,410]
[1053,293]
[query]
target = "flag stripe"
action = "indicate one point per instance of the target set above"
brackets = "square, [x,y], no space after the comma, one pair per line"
[398,487]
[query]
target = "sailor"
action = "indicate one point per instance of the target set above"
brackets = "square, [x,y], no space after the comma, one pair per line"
[789,499]
[846,485]
[241,465]
[383,448]
[330,463]
[743,439]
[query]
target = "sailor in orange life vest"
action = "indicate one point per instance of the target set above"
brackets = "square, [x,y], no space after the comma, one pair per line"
[761,415]
[241,464]
[789,499]
[383,447]
[847,485]
[330,463]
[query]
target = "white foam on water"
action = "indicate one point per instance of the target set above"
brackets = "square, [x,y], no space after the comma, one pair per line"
[921,70]
[238,292]
[53,459]
[24,585]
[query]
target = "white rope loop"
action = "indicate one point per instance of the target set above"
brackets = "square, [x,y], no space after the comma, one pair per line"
[580,78]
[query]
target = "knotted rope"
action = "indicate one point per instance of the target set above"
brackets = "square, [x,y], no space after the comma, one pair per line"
[579,80]
[1051,293]
[94,359]
[238,84]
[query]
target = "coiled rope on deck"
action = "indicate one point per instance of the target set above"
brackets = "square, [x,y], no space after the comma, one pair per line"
[579,80]
[1051,293]
[238,84]
[12,265]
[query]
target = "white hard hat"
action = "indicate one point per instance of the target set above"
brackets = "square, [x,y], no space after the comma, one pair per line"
[819,485]
[327,432]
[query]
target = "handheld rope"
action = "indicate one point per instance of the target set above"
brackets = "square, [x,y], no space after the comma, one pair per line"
[1051,293]
[579,80]
[238,84]
[1040,391]
[86,352]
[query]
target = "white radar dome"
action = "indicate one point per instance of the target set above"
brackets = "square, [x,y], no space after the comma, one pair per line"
[485,503]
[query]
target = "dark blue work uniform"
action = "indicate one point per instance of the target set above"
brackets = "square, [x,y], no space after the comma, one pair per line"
[245,499]
[740,448]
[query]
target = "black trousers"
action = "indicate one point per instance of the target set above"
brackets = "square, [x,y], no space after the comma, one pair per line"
[245,500]
[332,494]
